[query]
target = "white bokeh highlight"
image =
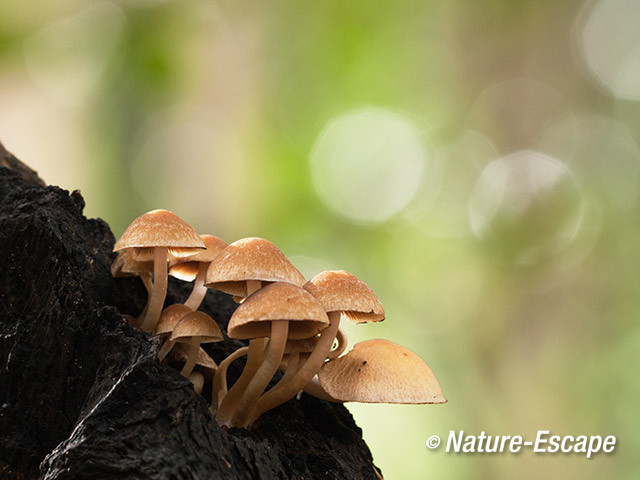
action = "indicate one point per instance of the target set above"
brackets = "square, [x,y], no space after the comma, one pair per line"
[608,40]
[529,204]
[367,164]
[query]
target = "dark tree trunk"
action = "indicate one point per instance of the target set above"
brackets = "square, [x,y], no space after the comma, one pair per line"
[81,392]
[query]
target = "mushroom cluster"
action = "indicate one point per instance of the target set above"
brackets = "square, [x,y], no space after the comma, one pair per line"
[291,324]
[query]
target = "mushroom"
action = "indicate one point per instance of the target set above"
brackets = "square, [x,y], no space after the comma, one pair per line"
[195,328]
[169,318]
[153,236]
[239,270]
[279,311]
[338,292]
[194,267]
[380,371]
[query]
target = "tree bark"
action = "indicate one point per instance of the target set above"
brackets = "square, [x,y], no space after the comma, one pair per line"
[82,394]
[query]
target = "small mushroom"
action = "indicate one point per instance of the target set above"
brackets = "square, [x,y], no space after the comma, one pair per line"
[380,371]
[169,318]
[154,236]
[204,363]
[194,267]
[278,311]
[338,292]
[220,379]
[195,328]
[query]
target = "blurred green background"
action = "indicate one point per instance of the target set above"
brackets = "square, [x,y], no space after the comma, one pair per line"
[476,163]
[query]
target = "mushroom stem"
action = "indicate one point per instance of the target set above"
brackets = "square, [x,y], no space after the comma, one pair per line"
[280,394]
[192,356]
[227,404]
[159,291]
[199,290]
[272,358]
[342,340]
[166,348]
[219,388]
[198,381]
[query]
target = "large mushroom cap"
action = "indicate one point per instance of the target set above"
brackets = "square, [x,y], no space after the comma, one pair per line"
[337,290]
[170,317]
[250,259]
[379,371]
[197,324]
[159,228]
[186,268]
[278,301]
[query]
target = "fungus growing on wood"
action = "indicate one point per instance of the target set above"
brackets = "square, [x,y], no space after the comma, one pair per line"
[154,236]
[380,371]
[338,292]
[239,270]
[194,267]
[195,328]
[279,311]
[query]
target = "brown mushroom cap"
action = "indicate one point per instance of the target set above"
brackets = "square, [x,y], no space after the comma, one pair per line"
[204,362]
[197,324]
[159,228]
[379,371]
[186,268]
[170,317]
[278,301]
[250,259]
[337,290]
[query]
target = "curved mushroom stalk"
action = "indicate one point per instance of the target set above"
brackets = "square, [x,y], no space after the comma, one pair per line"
[199,290]
[219,387]
[341,338]
[266,371]
[228,402]
[281,393]
[159,291]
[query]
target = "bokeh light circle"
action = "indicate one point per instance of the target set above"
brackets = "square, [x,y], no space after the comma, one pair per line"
[608,39]
[528,206]
[367,164]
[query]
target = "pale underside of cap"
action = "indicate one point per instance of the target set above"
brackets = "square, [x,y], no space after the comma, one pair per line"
[250,259]
[170,317]
[197,324]
[379,371]
[337,290]
[278,301]
[159,228]
[186,268]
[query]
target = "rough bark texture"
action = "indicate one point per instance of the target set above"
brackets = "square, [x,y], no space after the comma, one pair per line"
[81,392]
